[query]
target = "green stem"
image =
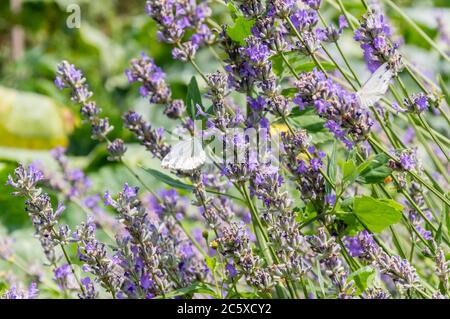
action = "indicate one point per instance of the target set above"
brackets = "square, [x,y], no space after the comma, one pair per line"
[429,130]
[344,74]
[346,15]
[313,56]
[289,65]
[438,165]
[72,269]
[347,63]
[413,174]
[423,122]
[199,71]
[417,29]
[397,243]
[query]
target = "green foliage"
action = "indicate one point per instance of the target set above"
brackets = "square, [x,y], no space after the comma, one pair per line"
[363,278]
[198,287]
[241,29]
[313,124]
[377,214]
[13,215]
[211,262]
[306,213]
[299,62]
[376,170]
[33,121]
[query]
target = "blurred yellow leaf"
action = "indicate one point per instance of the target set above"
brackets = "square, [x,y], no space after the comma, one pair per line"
[30,120]
[278,128]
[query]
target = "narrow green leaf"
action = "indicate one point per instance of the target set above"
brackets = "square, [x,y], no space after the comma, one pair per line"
[175,183]
[299,63]
[312,123]
[309,66]
[444,89]
[331,168]
[193,98]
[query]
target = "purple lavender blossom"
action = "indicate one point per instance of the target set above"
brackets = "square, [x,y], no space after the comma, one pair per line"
[175,18]
[345,118]
[97,261]
[89,289]
[73,183]
[329,251]
[147,136]
[16,293]
[40,210]
[63,276]
[374,36]
[70,77]
[417,103]
[407,161]
[26,180]
[304,20]
[331,33]
[152,79]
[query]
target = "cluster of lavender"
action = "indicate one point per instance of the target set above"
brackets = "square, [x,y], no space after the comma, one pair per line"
[151,138]
[15,293]
[282,227]
[399,270]
[155,255]
[151,256]
[304,162]
[154,86]
[416,103]
[329,251]
[68,76]
[178,18]
[234,244]
[40,210]
[346,119]
[416,193]
[374,36]
[97,261]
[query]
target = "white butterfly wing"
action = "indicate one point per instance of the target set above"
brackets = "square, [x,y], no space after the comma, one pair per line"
[375,87]
[186,155]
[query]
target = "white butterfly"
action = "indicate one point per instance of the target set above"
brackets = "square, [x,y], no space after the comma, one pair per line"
[187,155]
[375,87]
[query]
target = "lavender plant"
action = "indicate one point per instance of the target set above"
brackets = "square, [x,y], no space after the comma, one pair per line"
[270,205]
